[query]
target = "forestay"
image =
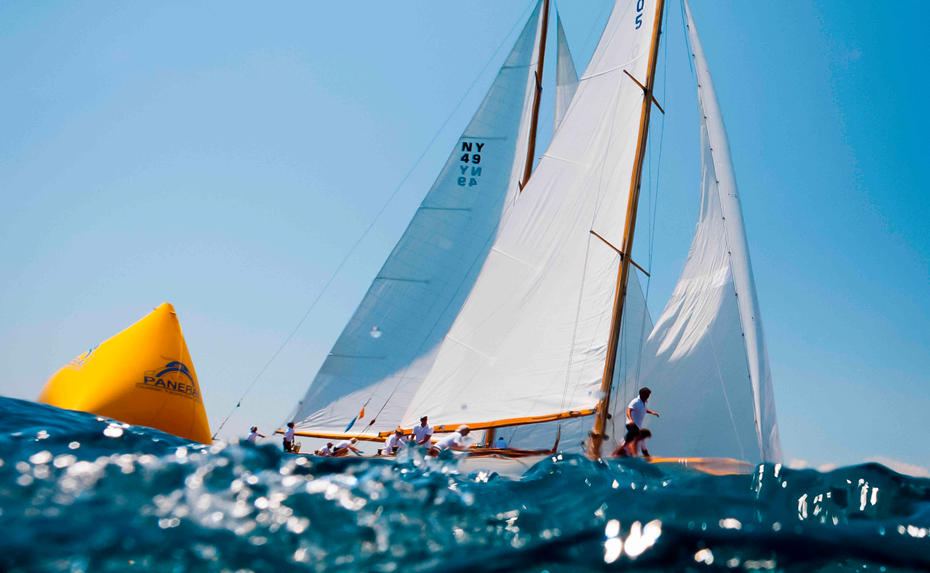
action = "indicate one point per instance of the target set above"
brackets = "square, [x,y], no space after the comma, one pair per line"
[531,338]
[391,340]
[706,358]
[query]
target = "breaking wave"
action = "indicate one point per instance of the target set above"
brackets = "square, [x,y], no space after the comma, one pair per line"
[82,493]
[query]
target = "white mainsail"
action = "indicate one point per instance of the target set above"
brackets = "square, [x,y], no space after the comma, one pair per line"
[636,326]
[390,342]
[706,358]
[531,338]
[566,78]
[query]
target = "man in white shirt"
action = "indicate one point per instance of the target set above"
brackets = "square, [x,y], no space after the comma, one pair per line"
[393,443]
[344,447]
[636,411]
[327,450]
[254,435]
[289,437]
[635,414]
[455,440]
[422,432]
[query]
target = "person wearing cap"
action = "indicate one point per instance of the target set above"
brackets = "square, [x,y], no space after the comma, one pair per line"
[343,448]
[455,440]
[422,432]
[393,443]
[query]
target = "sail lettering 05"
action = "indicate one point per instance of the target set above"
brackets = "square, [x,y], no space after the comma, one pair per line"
[638,20]
[470,158]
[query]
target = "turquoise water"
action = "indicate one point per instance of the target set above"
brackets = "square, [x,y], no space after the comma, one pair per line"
[81,493]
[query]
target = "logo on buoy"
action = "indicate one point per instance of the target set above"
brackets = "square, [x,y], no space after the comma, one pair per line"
[81,360]
[176,367]
[174,378]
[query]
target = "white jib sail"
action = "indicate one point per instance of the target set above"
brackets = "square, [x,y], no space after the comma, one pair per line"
[390,342]
[566,78]
[707,364]
[531,338]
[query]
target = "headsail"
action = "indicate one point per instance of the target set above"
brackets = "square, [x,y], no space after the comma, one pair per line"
[706,357]
[566,78]
[390,342]
[531,338]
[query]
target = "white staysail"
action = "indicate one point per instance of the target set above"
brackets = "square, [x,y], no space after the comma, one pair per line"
[566,78]
[707,364]
[390,342]
[531,338]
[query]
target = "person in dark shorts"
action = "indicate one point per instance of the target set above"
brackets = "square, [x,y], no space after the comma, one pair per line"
[633,444]
[636,410]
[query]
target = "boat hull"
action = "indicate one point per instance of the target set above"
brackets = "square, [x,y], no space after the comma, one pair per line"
[514,467]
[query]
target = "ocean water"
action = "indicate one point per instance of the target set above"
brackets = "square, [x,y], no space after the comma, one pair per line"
[82,493]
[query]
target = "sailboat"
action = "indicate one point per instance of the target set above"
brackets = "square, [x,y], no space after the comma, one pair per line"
[512,302]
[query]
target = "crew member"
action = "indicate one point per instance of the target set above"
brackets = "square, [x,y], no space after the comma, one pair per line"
[455,440]
[636,411]
[289,438]
[254,435]
[393,443]
[422,432]
[344,447]
[635,447]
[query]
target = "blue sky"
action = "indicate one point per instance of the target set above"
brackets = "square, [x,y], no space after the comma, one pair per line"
[225,158]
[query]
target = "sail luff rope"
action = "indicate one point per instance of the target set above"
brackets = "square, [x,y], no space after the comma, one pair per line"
[371,225]
[607,8]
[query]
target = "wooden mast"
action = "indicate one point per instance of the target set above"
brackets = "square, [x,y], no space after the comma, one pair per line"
[534,121]
[600,417]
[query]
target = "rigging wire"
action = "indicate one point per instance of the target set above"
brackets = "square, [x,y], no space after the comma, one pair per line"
[371,225]
[684,31]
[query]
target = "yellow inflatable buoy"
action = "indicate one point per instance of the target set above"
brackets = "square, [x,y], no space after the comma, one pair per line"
[142,376]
